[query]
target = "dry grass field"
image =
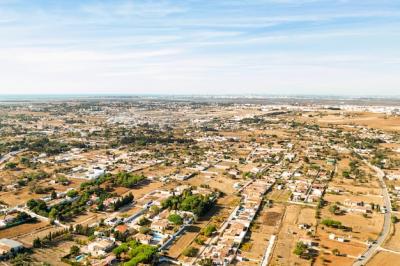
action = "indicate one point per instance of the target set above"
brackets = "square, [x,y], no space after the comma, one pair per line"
[384,258]
[22,229]
[393,241]
[266,224]
[376,199]
[362,228]
[277,195]
[287,239]
[41,232]
[372,120]
[219,182]
[54,254]
[18,197]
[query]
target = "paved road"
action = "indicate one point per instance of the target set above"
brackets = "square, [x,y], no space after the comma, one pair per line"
[31,213]
[370,252]
[8,156]
[42,218]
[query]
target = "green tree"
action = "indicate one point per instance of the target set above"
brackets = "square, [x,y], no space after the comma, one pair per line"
[154,209]
[53,194]
[300,248]
[37,243]
[53,213]
[175,219]
[22,259]
[74,250]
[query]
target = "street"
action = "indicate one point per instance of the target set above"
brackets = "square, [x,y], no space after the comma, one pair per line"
[370,252]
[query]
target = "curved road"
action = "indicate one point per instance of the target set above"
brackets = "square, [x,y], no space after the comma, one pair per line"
[8,156]
[370,252]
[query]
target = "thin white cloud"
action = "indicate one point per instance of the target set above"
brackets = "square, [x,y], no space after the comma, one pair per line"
[195,46]
[132,8]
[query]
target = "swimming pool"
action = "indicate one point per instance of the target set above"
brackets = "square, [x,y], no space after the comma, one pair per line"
[79,258]
[157,237]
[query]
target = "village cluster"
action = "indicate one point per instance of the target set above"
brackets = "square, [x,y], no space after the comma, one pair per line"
[164,182]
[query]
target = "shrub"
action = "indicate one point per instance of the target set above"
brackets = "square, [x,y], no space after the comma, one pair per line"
[246,246]
[300,249]
[208,230]
[74,250]
[190,252]
[336,252]
[331,223]
[199,241]
[72,193]
[144,230]
[206,262]
[10,165]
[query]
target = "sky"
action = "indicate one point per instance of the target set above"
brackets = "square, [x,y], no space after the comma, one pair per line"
[333,47]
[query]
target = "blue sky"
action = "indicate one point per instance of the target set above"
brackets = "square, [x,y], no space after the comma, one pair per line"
[200,47]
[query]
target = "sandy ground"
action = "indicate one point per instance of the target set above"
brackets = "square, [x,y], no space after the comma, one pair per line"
[219,182]
[362,228]
[21,229]
[54,254]
[376,199]
[393,242]
[28,238]
[384,258]
[141,190]
[22,195]
[287,239]
[279,195]
[372,120]
[18,197]
[266,224]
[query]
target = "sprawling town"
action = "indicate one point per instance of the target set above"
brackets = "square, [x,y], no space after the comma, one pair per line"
[224,181]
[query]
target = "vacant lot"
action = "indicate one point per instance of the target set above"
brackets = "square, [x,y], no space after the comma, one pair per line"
[350,249]
[88,218]
[41,232]
[372,120]
[21,229]
[54,254]
[287,239]
[279,195]
[18,197]
[144,188]
[362,228]
[222,183]
[384,258]
[393,242]
[307,216]
[266,224]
